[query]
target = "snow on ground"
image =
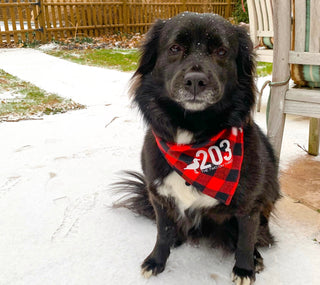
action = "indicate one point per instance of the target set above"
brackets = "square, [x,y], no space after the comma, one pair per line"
[56,224]
[70,80]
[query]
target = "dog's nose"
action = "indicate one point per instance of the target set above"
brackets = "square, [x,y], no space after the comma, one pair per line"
[195,82]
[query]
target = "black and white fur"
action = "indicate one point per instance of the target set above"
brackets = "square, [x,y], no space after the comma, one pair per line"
[196,78]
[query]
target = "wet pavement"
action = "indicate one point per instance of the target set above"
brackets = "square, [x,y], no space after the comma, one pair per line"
[301,181]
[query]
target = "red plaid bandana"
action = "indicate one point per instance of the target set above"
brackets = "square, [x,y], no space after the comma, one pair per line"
[213,166]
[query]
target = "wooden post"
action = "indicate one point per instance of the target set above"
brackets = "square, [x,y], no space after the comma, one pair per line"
[228,9]
[42,21]
[6,25]
[206,7]
[13,21]
[184,7]
[253,21]
[314,46]
[280,72]
[21,22]
[125,16]
[314,135]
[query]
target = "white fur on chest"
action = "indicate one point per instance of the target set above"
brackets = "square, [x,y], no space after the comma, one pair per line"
[174,186]
[183,137]
[186,197]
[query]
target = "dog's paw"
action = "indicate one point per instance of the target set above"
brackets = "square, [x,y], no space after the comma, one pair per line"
[242,276]
[151,267]
[258,264]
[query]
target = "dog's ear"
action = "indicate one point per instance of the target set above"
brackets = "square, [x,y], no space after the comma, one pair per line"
[246,57]
[149,50]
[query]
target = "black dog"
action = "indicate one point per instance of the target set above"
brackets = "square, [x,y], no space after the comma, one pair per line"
[208,169]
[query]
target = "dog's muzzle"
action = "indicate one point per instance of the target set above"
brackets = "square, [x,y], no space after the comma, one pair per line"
[195,82]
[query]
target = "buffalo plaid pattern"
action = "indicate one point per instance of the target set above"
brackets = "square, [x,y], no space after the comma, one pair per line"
[213,166]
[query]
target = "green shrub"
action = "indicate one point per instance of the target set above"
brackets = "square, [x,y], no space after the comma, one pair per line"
[238,14]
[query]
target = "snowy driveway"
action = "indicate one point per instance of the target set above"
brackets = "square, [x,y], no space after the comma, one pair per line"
[56,225]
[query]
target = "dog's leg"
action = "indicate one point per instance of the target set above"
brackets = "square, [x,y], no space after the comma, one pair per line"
[167,234]
[244,269]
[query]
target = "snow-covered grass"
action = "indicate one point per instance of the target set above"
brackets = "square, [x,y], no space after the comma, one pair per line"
[22,100]
[56,223]
[121,59]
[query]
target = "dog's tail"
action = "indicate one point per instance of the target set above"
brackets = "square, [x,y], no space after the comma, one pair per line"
[135,197]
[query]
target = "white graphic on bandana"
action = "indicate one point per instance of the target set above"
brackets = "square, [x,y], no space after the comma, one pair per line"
[194,165]
[215,154]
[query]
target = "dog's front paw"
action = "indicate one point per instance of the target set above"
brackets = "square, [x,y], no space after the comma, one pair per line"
[258,261]
[242,276]
[151,267]
[258,264]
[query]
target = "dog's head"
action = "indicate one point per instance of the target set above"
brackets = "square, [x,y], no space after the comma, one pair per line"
[199,60]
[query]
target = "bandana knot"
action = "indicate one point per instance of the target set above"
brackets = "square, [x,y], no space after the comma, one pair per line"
[213,166]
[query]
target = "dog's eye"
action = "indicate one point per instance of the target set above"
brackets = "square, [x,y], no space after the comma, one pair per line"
[174,49]
[221,51]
